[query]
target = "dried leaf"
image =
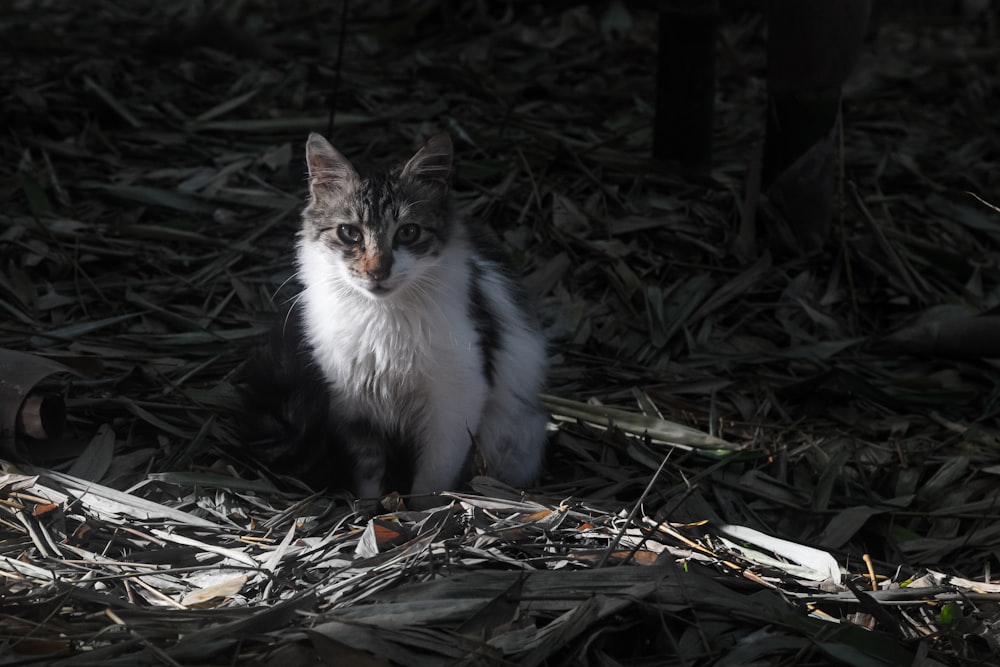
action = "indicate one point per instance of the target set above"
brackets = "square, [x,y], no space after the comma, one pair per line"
[95,460]
[214,594]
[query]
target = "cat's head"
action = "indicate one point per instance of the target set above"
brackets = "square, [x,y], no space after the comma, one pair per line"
[378,230]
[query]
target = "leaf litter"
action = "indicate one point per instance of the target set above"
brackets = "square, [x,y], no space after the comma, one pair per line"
[755,455]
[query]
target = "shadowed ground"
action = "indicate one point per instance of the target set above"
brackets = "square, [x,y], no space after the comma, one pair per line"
[152,175]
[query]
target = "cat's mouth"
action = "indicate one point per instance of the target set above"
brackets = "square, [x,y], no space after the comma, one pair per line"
[378,290]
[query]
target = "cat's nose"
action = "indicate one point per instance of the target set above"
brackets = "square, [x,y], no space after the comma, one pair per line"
[377,266]
[378,274]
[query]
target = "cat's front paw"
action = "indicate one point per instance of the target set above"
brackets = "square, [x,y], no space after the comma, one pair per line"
[366,508]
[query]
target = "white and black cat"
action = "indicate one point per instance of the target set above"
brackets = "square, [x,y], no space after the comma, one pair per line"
[410,346]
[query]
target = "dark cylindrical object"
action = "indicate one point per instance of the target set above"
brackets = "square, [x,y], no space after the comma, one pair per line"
[41,417]
[812,46]
[685,82]
[26,412]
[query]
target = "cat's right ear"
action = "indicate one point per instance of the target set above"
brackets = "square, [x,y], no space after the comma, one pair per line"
[329,171]
[432,163]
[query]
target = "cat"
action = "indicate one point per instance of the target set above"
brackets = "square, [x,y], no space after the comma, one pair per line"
[409,348]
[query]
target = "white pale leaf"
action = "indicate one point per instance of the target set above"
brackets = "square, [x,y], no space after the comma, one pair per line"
[215,592]
[238,555]
[111,504]
[821,562]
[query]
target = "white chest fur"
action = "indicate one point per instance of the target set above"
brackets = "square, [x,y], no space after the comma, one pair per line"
[386,356]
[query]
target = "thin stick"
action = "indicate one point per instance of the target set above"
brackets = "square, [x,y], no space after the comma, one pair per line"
[336,76]
[632,514]
[871,571]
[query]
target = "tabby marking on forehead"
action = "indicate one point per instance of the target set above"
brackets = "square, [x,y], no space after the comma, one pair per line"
[378,196]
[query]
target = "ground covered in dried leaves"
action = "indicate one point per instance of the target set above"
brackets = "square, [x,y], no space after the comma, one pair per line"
[710,393]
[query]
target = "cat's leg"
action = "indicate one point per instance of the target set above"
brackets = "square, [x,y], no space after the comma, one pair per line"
[446,442]
[367,449]
[511,438]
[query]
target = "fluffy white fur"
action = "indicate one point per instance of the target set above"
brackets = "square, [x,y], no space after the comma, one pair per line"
[411,358]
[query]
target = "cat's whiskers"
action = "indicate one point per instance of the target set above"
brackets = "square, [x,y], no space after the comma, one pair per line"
[291,308]
[282,285]
[295,276]
[423,286]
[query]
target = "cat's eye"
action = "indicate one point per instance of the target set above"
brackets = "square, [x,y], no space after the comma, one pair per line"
[349,234]
[408,234]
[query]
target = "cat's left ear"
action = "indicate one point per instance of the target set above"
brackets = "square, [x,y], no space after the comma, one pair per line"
[432,163]
[328,169]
